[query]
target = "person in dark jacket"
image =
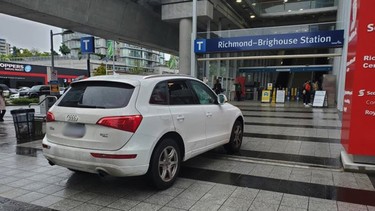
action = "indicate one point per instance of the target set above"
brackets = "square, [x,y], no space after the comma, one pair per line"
[217,87]
[2,106]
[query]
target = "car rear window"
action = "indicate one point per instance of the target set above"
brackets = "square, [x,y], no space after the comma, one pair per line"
[98,94]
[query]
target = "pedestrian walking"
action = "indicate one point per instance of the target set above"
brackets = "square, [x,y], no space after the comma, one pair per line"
[238,89]
[2,106]
[306,93]
[217,87]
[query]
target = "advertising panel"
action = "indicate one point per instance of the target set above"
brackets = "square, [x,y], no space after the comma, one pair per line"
[266,96]
[358,121]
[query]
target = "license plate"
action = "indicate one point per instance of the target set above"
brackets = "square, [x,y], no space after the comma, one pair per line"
[74,130]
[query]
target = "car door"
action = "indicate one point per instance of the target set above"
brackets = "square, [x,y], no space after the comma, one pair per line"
[188,116]
[215,122]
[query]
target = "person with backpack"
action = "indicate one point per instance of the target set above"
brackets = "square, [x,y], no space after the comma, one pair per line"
[306,93]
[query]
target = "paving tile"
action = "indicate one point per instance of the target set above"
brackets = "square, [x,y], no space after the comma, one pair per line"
[206,206]
[159,199]
[262,170]
[146,207]
[263,206]
[237,203]
[14,193]
[83,196]
[65,204]
[301,175]
[322,177]
[51,189]
[295,201]
[47,201]
[343,206]
[245,193]
[103,200]
[269,197]
[182,203]
[65,193]
[285,208]
[172,191]
[29,197]
[321,204]
[170,209]
[123,204]
[87,207]
[139,195]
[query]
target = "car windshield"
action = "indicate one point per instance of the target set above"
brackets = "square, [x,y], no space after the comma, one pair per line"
[98,94]
[35,88]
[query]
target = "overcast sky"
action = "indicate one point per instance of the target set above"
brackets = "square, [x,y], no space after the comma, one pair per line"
[28,34]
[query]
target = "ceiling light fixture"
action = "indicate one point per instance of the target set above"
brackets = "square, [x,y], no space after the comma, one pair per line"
[238,1]
[300,9]
[289,10]
[252,16]
[254,4]
[285,1]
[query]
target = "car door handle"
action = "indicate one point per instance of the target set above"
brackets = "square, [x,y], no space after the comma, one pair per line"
[180,118]
[208,114]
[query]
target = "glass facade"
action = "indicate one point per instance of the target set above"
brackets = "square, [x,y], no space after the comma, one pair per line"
[129,56]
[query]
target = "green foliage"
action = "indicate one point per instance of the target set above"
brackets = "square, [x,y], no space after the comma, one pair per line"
[138,70]
[101,56]
[18,52]
[4,57]
[172,63]
[24,101]
[64,49]
[101,70]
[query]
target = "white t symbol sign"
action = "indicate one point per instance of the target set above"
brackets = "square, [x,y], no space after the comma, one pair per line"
[200,45]
[86,44]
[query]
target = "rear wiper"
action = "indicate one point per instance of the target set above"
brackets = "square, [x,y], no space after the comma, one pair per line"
[89,106]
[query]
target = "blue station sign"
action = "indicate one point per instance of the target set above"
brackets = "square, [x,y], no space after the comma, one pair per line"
[322,39]
[87,45]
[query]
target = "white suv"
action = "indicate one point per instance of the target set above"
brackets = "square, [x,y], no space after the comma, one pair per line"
[132,125]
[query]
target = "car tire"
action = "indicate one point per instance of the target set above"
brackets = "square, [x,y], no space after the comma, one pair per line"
[165,164]
[235,140]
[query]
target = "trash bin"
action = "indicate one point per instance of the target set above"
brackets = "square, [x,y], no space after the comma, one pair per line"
[24,123]
[39,127]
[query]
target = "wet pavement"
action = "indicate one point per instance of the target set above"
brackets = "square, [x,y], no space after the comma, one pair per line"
[289,160]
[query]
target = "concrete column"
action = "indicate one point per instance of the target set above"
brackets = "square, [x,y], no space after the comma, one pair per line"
[339,63]
[208,36]
[185,46]
[218,55]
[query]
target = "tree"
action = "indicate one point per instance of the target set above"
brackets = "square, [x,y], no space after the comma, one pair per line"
[138,70]
[64,49]
[172,63]
[101,70]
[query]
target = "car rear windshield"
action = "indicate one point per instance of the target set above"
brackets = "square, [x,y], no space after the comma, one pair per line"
[98,94]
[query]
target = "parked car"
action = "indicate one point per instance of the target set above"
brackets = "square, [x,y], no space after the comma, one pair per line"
[23,91]
[136,125]
[38,90]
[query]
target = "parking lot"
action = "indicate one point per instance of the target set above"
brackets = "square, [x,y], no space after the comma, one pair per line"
[289,160]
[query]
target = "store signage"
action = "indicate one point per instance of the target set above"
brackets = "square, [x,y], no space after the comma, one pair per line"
[266,96]
[359,99]
[280,96]
[87,45]
[15,67]
[322,39]
[319,98]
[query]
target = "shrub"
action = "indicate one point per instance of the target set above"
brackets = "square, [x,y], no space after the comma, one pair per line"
[24,101]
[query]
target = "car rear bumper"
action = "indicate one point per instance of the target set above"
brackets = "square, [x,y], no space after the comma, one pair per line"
[82,160]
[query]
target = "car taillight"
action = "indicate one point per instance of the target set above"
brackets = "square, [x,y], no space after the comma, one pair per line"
[126,123]
[50,117]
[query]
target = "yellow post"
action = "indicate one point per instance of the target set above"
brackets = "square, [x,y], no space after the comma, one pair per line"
[274,95]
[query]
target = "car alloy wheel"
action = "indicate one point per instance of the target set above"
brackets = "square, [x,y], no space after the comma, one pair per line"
[235,140]
[168,164]
[165,163]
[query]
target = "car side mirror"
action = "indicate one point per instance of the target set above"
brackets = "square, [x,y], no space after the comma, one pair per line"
[221,99]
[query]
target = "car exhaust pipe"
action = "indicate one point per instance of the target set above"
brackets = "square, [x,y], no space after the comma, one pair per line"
[102,173]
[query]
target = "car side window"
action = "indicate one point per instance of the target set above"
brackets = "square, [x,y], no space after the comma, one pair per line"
[159,94]
[204,94]
[180,93]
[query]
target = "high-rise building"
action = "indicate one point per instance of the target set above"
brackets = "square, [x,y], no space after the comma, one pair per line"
[129,56]
[4,47]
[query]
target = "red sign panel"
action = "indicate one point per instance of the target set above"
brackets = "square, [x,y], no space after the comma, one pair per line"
[358,123]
